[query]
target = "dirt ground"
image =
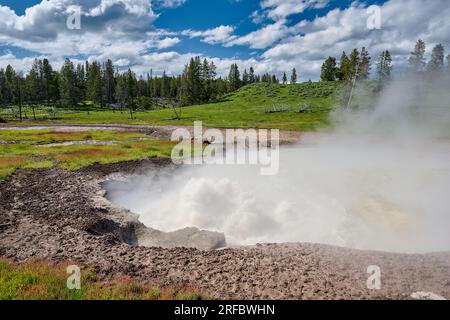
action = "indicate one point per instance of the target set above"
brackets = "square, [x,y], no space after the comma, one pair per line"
[60,215]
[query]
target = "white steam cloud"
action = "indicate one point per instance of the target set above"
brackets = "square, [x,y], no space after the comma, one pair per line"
[380,181]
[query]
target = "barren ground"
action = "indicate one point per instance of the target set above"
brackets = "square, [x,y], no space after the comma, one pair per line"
[62,215]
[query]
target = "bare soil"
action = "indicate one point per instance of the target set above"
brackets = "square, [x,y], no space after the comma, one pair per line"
[60,215]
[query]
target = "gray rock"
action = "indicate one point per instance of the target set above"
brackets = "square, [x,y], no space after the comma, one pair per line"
[187,238]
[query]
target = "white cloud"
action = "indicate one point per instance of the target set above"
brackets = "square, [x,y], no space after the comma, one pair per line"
[217,35]
[168,42]
[345,29]
[263,37]
[280,9]
[169,3]
[123,31]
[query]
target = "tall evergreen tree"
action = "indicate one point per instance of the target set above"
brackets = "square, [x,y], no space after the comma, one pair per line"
[355,63]
[50,83]
[251,75]
[67,84]
[275,79]
[192,82]
[150,84]
[344,71]
[234,77]
[17,87]
[95,90]
[18,93]
[365,64]
[294,76]
[33,88]
[4,90]
[110,82]
[384,67]
[284,78]
[417,58]
[80,82]
[436,64]
[329,70]
[245,78]
[126,91]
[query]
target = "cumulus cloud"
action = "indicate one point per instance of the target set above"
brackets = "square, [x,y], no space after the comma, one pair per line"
[262,38]
[345,29]
[280,9]
[168,42]
[123,30]
[221,34]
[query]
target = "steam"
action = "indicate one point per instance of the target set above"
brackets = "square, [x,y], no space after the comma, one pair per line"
[380,181]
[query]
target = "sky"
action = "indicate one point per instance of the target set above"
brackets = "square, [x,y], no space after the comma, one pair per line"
[269,35]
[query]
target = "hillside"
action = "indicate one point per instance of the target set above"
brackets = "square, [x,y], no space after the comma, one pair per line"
[299,107]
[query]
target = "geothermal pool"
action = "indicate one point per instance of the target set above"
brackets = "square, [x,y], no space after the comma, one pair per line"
[359,193]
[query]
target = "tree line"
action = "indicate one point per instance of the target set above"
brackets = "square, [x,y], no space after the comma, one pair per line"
[358,65]
[106,87]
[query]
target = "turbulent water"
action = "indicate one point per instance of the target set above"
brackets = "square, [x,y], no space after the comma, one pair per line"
[380,181]
[396,202]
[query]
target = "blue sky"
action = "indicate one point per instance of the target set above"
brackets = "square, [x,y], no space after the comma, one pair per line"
[203,15]
[270,35]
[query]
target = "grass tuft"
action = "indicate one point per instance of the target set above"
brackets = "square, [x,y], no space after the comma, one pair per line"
[42,280]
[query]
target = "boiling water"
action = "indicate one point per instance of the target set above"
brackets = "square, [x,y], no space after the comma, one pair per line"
[380,181]
[385,196]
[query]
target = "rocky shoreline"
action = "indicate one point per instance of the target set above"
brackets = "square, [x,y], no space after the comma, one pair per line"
[64,215]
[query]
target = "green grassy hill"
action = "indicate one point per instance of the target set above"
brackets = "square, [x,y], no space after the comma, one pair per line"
[304,106]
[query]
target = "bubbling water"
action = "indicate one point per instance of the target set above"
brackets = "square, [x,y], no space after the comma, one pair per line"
[379,181]
[386,197]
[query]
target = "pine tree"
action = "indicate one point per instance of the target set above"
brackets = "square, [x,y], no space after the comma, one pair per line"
[355,64]
[251,75]
[142,87]
[8,78]
[436,64]
[294,76]
[4,100]
[150,84]
[109,82]
[95,90]
[275,79]
[344,71]
[67,84]
[80,82]
[284,78]
[365,65]
[120,92]
[417,58]
[126,91]
[50,84]
[234,77]
[16,86]
[33,87]
[18,93]
[192,82]
[329,70]
[245,78]
[384,67]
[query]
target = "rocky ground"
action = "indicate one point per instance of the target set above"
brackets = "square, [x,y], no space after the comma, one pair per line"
[60,215]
